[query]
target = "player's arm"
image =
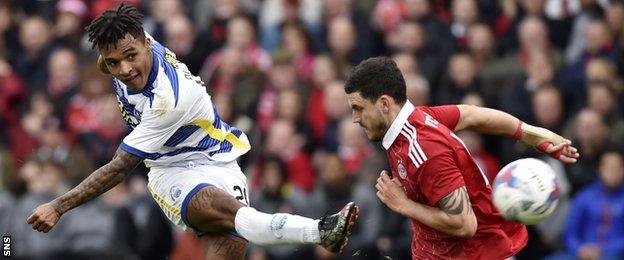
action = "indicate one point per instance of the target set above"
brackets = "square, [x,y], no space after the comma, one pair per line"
[496,122]
[453,216]
[103,179]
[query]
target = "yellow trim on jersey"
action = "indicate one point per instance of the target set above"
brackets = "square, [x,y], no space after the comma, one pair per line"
[163,202]
[219,134]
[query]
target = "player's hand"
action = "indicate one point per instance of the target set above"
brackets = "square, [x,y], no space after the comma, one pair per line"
[44,218]
[390,191]
[549,143]
[563,151]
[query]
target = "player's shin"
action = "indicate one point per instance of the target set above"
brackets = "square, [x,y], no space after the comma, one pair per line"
[275,229]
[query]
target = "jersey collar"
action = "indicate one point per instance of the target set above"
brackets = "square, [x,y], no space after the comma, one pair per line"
[395,128]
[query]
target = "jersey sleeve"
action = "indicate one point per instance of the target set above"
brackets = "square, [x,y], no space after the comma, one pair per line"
[156,127]
[447,115]
[439,177]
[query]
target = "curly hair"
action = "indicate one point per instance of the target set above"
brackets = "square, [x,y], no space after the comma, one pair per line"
[113,25]
[375,77]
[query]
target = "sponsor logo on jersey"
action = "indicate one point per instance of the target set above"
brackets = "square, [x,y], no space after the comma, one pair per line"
[175,193]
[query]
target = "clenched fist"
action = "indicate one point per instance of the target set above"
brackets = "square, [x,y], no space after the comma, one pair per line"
[44,218]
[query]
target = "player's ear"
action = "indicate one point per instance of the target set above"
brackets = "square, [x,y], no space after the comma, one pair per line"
[148,43]
[384,102]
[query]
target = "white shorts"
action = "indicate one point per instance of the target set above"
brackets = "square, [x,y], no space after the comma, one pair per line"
[173,186]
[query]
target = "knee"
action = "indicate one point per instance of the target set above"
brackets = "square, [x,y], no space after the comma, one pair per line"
[212,209]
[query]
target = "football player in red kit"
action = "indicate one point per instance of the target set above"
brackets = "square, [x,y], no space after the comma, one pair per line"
[434,180]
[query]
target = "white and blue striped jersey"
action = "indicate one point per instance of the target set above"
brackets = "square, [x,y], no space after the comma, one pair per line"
[173,117]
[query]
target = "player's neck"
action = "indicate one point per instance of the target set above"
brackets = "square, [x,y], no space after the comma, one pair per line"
[393,113]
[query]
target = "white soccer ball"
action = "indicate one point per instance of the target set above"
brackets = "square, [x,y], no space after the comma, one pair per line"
[526,191]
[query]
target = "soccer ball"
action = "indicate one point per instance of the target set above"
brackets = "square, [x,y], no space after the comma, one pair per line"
[526,191]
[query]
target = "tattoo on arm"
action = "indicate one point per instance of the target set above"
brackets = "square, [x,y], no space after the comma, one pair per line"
[455,202]
[100,181]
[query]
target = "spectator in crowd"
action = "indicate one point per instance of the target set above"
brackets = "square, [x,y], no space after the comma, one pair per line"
[94,134]
[533,35]
[336,111]
[602,96]
[438,33]
[183,40]
[407,63]
[161,11]
[40,111]
[548,108]
[9,32]
[276,193]
[342,39]
[481,46]
[353,148]
[282,141]
[41,186]
[584,12]
[275,15]
[69,22]
[54,146]
[241,34]
[360,23]
[410,38]
[31,63]
[464,13]
[63,78]
[591,137]
[282,76]
[154,236]
[515,11]
[595,225]
[486,161]
[324,73]
[289,106]
[297,41]
[417,90]
[614,16]
[212,17]
[539,73]
[336,186]
[462,79]
[12,95]
[598,44]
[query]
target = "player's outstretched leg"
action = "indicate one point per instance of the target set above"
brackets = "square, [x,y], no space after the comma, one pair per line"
[213,210]
[223,246]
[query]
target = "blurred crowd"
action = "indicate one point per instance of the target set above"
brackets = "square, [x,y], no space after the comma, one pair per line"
[275,69]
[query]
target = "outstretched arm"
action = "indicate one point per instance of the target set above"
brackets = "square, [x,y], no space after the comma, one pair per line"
[453,216]
[496,122]
[103,179]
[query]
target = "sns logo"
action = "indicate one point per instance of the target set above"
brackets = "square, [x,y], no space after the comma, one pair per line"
[6,246]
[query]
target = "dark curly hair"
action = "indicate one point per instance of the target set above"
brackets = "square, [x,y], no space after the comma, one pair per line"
[113,25]
[375,77]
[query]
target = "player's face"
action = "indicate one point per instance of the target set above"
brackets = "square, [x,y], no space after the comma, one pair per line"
[129,60]
[368,115]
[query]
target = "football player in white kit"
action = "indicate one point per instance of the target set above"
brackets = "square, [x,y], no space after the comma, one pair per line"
[190,151]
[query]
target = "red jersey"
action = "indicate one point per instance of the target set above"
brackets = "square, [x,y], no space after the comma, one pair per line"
[431,162]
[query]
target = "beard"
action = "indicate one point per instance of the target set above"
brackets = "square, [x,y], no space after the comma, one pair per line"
[376,131]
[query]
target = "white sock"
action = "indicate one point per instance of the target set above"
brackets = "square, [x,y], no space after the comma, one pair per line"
[276,229]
